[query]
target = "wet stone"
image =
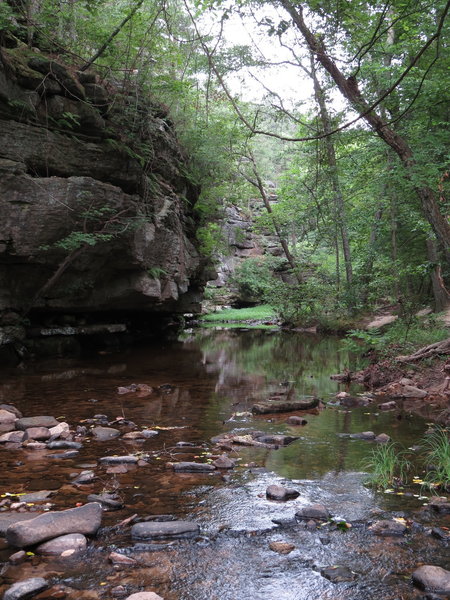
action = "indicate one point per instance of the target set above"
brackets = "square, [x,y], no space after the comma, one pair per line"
[40,434]
[103,434]
[85,478]
[279,492]
[60,430]
[224,462]
[43,421]
[382,438]
[192,467]
[84,519]
[432,579]
[62,444]
[12,409]
[39,496]
[25,589]
[64,455]
[108,501]
[120,559]
[440,505]
[388,528]
[6,416]
[74,541]
[18,557]
[113,460]
[12,436]
[313,511]
[281,547]
[164,529]
[364,435]
[337,574]
[277,440]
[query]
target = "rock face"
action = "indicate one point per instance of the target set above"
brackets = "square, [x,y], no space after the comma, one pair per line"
[82,191]
[85,519]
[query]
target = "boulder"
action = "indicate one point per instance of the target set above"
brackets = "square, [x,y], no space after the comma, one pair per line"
[386,528]
[103,434]
[432,578]
[383,438]
[193,467]
[43,421]
[73,541]
[12,409]
[40,434]
[26,589]
[164,529]
[9,518]
[84,519]
[279,492]
[313,511]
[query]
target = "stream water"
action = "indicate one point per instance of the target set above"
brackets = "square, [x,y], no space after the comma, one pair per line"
[203,385]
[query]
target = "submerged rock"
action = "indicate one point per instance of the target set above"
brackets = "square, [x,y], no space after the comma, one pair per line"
[84,519]
[337,574]
[295,420]
[432,578]
[26,589]
[114,460]
[364,435]
[383,438]
[388,528]
[224,462]
[164,529]
[108,501]
[103,434]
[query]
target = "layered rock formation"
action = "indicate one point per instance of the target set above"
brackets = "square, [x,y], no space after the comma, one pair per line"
[96,210]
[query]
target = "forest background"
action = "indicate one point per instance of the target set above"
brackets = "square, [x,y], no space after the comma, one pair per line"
[356,143]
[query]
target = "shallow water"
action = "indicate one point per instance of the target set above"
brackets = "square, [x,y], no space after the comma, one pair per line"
[215,377]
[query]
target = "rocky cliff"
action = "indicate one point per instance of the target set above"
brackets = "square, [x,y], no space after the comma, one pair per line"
[96,211]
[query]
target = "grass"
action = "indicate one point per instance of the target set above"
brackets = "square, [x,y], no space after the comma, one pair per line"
[388,467]
[437,459]
[264,312]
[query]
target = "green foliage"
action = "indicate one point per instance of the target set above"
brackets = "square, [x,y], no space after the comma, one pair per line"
[255,277]
[403,336]
[388,466]
[262,312]
[436,448]
[156,272]
[211,239]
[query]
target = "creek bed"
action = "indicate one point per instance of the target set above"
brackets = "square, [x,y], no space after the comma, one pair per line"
[205,385]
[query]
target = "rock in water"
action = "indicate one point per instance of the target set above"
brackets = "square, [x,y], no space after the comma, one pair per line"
[433,579]
[25,589]
[73,541]
[164,529]
[276,406]
[279,492]
[388,528]
[85,519]
[103,434]
[44,421]
[313,511]
[193,467]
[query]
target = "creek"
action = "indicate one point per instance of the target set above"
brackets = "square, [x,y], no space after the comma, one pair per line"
[203,385]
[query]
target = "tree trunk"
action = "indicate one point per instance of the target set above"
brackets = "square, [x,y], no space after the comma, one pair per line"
[350,90]
[440,292]
[334,175]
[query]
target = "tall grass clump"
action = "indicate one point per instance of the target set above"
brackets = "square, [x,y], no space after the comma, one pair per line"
[387,466]
[436,448]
